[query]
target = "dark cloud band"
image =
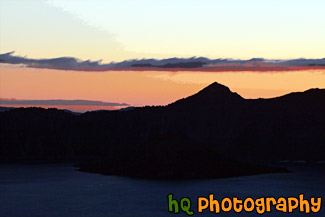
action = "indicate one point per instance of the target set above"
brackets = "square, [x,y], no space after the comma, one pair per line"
[171,64]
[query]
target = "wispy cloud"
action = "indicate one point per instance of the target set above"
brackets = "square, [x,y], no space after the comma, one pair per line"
[58,102]
[171,64]
[72,105]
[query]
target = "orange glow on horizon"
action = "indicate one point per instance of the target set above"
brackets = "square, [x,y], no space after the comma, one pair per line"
[139,88]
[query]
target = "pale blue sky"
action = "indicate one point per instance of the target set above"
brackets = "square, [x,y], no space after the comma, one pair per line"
[123,29]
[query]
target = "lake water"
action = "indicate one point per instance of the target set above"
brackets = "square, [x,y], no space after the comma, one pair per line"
[60,191]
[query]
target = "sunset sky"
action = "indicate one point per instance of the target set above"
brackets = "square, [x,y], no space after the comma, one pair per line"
[117,30]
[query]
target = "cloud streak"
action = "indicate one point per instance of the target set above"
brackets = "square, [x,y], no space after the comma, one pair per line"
[171,64]
[59,102]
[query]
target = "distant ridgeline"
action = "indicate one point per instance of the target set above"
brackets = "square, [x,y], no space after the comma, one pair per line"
[214,133]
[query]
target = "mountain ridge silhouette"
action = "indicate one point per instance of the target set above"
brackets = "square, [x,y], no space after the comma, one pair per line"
[212,130]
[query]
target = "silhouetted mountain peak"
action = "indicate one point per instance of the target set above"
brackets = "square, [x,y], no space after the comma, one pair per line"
[215,87]
[217,91]
[212,95]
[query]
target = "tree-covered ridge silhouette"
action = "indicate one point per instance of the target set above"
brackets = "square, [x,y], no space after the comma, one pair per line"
[214,133]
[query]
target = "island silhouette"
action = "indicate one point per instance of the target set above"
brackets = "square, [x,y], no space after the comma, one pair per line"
[213,133]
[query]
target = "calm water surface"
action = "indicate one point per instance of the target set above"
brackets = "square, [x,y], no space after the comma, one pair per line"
[59,191]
